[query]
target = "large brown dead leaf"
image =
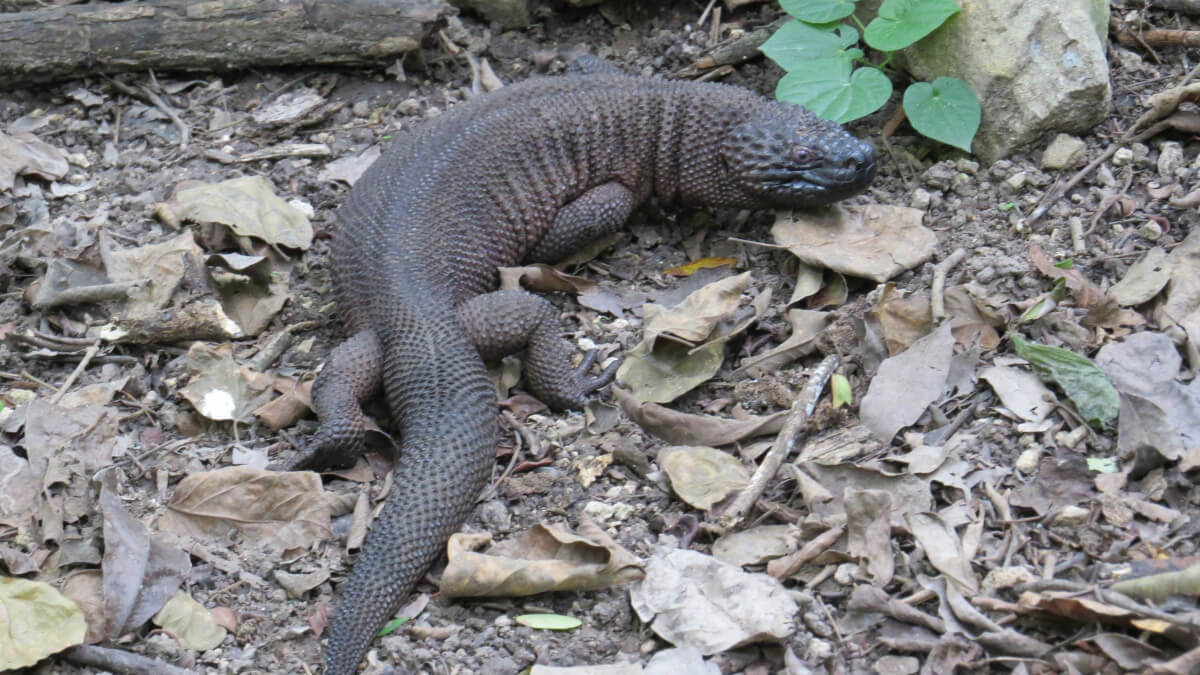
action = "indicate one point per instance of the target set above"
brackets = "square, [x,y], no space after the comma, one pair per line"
[283,509]
[545,558]
[689,598]
[141,572]
[220,389]
[685,429]
[872,242]
[904,319]
[26,154]
[907,384]
[249,206]
[702,476]
[66,447]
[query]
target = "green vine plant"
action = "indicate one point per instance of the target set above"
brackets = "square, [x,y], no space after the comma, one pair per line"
[819,51]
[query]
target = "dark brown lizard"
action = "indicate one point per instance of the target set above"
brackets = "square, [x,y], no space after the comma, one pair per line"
[528,173]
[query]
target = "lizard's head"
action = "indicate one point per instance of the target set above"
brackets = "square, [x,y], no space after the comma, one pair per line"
[785,156]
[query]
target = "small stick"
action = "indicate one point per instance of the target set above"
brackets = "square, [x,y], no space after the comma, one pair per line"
[120,661]
[783,446]
[1055,194]
[1076,226]
[144,93]
[81,295]
[83,363]
[937,290]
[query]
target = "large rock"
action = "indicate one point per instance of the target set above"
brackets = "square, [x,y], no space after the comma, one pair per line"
[1037,67]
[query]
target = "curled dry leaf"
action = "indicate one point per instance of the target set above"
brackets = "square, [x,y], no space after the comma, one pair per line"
[350,169]
[1182,305]
[294,402]
[702,476]
[1020,391]
[904,319]
[873,242]
[543,278]
[756,545]
[249,206]
[806,325]
[283,509]
[944,548]
[868,523]
[1144,279]
[685,429]
[685,345]
[38,621]
[545,558]
[23,153]
[252,288]
[689,598]
[190,623]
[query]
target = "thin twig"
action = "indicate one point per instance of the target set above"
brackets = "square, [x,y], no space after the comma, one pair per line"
[120,661]
[1054,195]
[83,363]
[144,93]
[937,291]
[783,446]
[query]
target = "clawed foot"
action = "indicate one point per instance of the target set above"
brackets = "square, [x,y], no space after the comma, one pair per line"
[586,385]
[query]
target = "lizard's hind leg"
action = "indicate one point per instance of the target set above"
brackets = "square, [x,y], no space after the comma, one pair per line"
[507,322]
[350,377]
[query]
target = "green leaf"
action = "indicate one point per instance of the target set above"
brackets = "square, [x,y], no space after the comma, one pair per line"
[833,92]
[796,44]
[549,621]
[391,626]
[1102,464]
[1082,381]
[818,11]
[35,621]
[946,110]
[843,395]
[1046,303]
[900,23]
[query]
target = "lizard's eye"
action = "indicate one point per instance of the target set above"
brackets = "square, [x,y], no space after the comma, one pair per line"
[802,154]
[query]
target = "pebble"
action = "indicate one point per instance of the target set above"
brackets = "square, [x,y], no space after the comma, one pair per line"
[1071,516]
[1016,181]
[1151,231]
[1064,152]
[1122,157]
[1027,462]
[1170,158]
[920,199]
[495,516]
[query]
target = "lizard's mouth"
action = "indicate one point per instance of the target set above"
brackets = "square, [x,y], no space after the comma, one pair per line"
[818,185]
[828,179]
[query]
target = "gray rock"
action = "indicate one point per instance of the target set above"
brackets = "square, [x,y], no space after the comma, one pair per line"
[1062,85]
[1064,152]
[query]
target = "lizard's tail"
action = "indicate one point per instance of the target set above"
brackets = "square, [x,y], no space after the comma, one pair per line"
[445,406]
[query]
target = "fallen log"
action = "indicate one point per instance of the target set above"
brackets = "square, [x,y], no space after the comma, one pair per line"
[212,35]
